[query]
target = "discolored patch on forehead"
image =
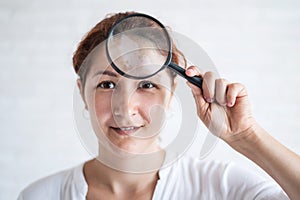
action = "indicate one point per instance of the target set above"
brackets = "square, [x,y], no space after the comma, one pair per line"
[136,55]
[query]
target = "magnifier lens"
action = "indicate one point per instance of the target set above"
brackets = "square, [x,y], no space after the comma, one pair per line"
[138,47]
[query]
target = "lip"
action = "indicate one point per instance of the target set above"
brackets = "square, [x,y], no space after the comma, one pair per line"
[126,130]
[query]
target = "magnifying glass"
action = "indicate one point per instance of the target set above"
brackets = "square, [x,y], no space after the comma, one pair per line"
[139,46]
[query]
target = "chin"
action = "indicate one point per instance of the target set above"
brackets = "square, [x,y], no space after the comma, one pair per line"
[131,146]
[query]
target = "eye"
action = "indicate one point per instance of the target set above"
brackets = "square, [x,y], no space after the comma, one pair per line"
[146,85]
[106,85]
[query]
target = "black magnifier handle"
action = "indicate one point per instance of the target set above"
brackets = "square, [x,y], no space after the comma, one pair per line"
[180,71]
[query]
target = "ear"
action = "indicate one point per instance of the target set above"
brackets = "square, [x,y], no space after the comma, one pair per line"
[81,89]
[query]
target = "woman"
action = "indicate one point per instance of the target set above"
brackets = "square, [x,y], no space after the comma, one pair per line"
[129,164]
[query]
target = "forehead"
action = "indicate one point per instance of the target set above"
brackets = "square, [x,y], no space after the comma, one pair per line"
[141,62]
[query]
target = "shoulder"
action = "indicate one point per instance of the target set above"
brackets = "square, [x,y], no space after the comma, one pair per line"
[209,179]
[52,186]
[199,172]
[195,168]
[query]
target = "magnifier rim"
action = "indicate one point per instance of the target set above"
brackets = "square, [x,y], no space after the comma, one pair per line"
[169,57]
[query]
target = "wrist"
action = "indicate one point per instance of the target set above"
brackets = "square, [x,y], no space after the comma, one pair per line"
[247,139]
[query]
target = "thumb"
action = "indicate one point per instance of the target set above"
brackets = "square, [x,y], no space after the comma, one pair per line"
[201,104]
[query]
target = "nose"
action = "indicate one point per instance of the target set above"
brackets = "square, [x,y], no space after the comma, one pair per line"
[124,103]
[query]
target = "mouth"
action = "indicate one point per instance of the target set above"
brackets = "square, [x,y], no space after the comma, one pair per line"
[128,130]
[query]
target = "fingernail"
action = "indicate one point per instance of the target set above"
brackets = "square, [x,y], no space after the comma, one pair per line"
[208,99]
[195,71]
[190,71]
[229,104]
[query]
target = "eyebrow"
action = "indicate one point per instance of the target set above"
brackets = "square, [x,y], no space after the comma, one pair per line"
[105,72]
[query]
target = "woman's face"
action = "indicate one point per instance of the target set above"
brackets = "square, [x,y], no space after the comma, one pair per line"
[127,113]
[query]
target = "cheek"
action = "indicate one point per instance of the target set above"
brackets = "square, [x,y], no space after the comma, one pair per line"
[151,99]
[150,102]
[102,107]
[159,98]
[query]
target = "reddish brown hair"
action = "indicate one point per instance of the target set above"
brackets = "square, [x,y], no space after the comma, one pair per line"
[98,34]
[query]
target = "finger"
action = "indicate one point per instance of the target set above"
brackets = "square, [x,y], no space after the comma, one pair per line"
[195,89]
[200,101]
[192,71]
[234,91]
[208,86]
[220,91]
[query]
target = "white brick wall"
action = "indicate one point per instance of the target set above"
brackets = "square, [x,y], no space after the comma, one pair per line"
[255,42]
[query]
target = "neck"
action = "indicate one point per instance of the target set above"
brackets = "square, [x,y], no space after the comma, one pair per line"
[132,174]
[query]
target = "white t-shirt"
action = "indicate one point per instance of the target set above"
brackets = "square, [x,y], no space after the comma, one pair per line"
[185,179]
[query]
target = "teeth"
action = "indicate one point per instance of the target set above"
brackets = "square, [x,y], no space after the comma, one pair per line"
[127,128]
